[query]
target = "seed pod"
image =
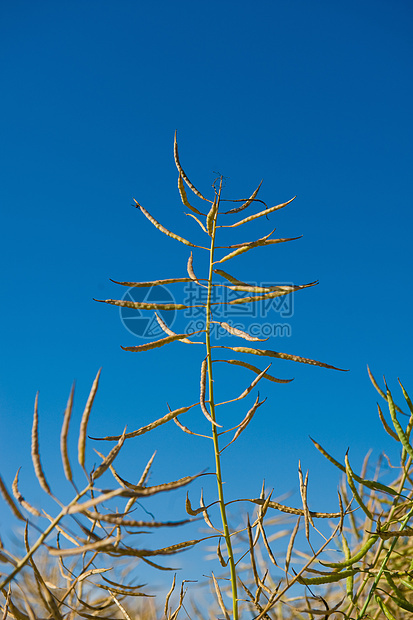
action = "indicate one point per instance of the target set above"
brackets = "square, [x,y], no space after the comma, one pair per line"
[211,217]
[149,427]
[85,420]
[285,356]
[238,332]
[370,484]
[397,426]
[331,578]
[150,284]
[63,436]
[260,214]
[190,270]
[35,450]
[255,244]
[350,477]
[9,500]
[19,497]
[246,203]
[202,394]
[200,224]
[182,173]
[136,305]
[158,343]
[184,198]
[254,369]
[356,558]
[163,229]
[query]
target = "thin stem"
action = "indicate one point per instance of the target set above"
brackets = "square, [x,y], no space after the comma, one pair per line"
[42,538]
[224,520]
[392,545]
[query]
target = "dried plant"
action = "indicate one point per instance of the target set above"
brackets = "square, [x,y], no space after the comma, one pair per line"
[209,219]
[93,532]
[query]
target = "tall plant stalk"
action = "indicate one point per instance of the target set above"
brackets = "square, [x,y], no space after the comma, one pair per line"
[222,506]
[250,294]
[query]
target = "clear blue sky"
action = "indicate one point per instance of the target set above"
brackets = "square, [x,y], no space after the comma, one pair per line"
[313,97]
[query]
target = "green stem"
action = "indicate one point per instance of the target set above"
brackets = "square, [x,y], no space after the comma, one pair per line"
[224,520]
[383,566]
[389,552]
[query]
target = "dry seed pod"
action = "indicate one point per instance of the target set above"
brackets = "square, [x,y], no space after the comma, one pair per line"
[168,331]
[303,493]
[90,503]
[189,508]
[9,500]
[238,285]
[168,596]
[219,554]
[107,544]
[211,217]
[85,420]
[184,198]
[159,343]
[190,270]
[254,369]
[159,488]
[35,449]
[247,390]
[136,305]
[246,203]
[254,383]
[166,232]
[243,425]
[150,284]
[182,173]
[238,332]
[197,221]
[241,245]
[278,291]
[118,604]
[219,597]
[256,244]
[291,546]
[293,511]
[186,430]
[260,214]
[285,356]
[63,436]
[110,458]
[202,394]
[19,497]
[116,519]
[148,427]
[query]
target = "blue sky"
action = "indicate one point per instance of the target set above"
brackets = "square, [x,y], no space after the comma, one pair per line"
[314,98]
